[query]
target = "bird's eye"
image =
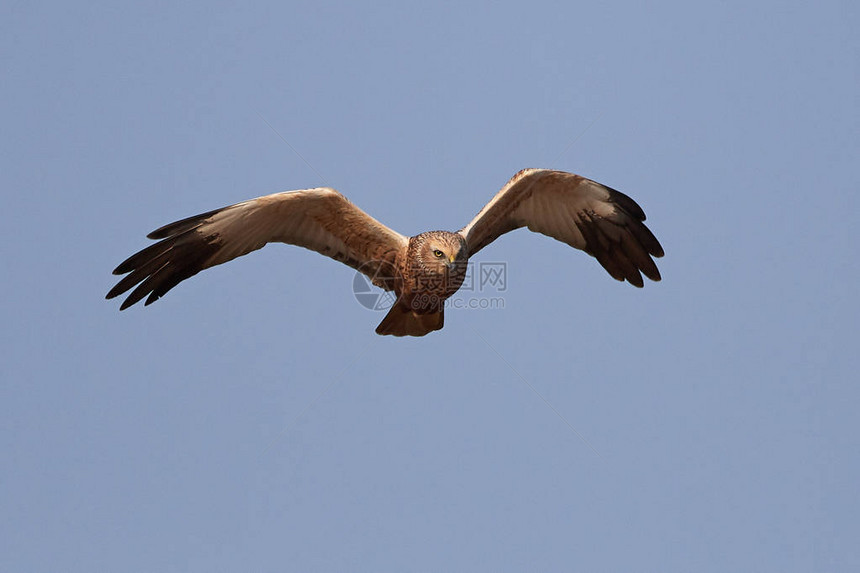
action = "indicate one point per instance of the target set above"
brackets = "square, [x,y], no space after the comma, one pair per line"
[438,254]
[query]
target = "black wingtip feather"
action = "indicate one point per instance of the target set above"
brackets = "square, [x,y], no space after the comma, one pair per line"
[183,225]
[158,268]
[143,256]
[627,203]
[621,245]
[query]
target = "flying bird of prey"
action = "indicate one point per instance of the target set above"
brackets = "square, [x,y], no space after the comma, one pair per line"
[424,270]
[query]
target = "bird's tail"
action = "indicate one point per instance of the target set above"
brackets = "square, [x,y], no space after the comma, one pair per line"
[403,321]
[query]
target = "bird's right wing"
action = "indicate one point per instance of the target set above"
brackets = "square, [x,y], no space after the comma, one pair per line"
[597,219]
[319,219]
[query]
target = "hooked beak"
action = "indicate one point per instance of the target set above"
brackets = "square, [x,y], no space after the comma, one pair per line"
[453,264]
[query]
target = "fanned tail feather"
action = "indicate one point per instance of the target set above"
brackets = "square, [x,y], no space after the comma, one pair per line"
[403,321]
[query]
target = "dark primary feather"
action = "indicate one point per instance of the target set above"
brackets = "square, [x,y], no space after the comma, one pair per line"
[160,267]
[182,225]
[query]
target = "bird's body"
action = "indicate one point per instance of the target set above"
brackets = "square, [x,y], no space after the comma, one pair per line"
[430,270]
[423,270]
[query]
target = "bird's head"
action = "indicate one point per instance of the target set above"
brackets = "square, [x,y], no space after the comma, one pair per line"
[441,251]
[440,254]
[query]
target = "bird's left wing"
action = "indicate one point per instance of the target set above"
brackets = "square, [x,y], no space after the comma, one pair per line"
[601,221]
[319,219]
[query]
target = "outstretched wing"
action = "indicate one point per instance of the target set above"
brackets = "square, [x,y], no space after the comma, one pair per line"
[601,221]
[320,219]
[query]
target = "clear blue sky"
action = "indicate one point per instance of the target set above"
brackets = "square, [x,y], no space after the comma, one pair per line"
[252,420]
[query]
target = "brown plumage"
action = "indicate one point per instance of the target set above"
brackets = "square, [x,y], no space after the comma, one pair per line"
[424,270]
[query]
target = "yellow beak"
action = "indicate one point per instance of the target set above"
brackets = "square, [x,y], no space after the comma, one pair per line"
[452,258]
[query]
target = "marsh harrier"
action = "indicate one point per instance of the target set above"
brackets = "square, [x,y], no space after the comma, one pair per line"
[424,270]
